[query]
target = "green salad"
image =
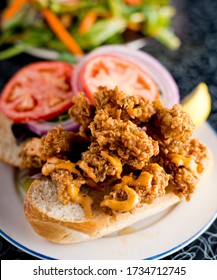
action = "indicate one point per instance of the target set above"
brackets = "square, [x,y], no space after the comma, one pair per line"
[74,27]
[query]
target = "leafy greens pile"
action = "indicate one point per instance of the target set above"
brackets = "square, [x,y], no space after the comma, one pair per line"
[75,27]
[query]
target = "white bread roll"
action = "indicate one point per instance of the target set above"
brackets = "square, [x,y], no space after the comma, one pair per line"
[68,224]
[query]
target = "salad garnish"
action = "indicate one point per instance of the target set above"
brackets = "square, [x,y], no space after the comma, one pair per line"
[40,94]
[76,27]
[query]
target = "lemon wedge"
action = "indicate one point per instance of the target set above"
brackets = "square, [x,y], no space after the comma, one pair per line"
[198,104]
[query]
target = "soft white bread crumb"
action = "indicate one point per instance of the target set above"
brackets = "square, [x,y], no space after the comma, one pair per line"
[67,223]
[45,198]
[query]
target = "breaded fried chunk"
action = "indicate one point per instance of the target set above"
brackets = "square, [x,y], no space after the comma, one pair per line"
[126,146]
[82,111]
[30,154]
[118,105]
[57,142]
[174,124]
[124,139]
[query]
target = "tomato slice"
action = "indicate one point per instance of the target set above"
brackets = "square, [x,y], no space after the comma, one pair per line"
[110,70]
[39,91]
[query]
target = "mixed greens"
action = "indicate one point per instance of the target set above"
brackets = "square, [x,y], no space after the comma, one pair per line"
[78,26]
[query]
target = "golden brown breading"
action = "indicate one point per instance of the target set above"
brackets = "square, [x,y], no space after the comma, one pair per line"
[174,124]
[135,108]
[82,111]
[148,185]
[99,164]
[138,109]
[117,148]
[196,150]
[63,180]
[30,154]
[192,148]
[104,98]
[183,181]
[57,143]
[124,139]
[172,129]
[159,182]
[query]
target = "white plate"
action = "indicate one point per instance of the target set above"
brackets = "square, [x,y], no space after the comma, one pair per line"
[152,238]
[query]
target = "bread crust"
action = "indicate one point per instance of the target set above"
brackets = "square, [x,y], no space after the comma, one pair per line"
[101,224]
[9,150]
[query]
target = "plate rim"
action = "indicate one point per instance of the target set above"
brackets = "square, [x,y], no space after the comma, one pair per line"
[154,257]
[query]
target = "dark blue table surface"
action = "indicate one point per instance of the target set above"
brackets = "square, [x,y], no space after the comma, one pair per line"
[194,62]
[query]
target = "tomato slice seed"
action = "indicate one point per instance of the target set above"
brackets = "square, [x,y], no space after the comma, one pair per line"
[110,70]
[39,91]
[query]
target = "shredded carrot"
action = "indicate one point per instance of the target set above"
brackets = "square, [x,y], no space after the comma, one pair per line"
[87,22]
[13,9]
[133,2]
[134,26]
[60,31]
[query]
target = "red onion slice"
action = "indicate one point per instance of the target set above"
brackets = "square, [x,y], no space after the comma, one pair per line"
[41,128]
[168,87]
[36,176]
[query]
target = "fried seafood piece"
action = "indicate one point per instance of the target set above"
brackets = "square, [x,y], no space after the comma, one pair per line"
[65,182]
[159,180]
[133,190]
[99,164]
[172,129]
[58,143]
[184,171]
[105,98]
[124,139]
[67,178]
[197,151]
[183,181]
[82,111]
[30,155]
[135,108]
[138,109]
[174,124]
[184,163]
[62,178]
[191,148]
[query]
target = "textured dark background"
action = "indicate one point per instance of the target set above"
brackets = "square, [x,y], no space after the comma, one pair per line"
[194,62]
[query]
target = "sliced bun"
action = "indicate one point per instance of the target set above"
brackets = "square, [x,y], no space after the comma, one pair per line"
[9,150]
[67,223]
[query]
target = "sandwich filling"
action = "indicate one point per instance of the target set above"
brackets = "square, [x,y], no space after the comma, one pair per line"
[128,149]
